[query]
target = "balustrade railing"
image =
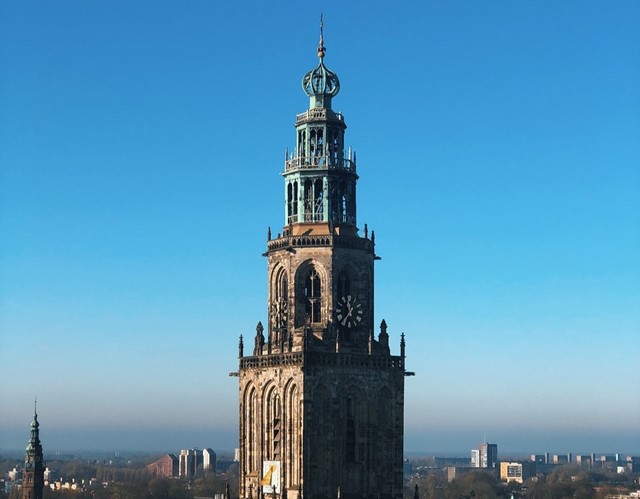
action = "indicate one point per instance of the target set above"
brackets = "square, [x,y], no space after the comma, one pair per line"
[317,114]
[323,240]
[319,163]
[323,359]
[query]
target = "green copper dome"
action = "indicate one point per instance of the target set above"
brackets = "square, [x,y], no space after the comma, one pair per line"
[321,81]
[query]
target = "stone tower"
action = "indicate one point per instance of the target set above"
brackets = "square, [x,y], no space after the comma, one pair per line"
[33,474]
[321,397]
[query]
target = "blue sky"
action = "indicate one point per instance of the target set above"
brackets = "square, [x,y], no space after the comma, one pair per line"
[498,149]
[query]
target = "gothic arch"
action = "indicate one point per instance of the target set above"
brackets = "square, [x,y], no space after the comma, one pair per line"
[292,437]
[311,293]
[250,428]
[272,418]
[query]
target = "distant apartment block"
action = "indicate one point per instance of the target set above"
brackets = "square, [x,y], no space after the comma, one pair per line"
[584,460]
[208,459]
[166,467]
[633,463]
[475,458]
[539,458]
[189,462]
[485,456]
[516,472]
[562,458]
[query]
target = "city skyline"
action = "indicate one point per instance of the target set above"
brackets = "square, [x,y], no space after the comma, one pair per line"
[499,170]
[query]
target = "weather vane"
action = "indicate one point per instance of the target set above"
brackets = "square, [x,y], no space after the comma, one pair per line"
[321,49]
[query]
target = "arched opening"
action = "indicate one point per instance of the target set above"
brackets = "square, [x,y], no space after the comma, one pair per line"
[292,454]
[289,202]
[318,210]
[302,143]
[313,295]
[308,200]
[249,423]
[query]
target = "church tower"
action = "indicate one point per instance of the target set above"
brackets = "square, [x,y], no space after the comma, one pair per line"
[33,474]
[321,396]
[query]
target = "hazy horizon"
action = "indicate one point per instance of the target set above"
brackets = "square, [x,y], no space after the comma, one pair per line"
[448,442]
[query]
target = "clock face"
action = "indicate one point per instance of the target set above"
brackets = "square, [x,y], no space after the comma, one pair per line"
[349,312]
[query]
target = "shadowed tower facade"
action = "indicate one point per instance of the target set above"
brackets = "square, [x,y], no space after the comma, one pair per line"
[321,396]
[33,474]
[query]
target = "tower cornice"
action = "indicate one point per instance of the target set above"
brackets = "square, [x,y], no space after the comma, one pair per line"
[323,359]
[329,240]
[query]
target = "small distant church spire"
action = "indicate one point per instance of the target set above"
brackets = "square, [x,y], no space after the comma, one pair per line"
[33,476]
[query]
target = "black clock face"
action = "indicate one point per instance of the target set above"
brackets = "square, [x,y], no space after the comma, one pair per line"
[349,312]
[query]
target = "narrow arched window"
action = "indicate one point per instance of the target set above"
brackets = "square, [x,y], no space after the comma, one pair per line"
[343,203]
[282,290]
[320,142]
[308,201]
[312,143]
[249,422]
[275,410]
[289,203]
[302,143]
[318,208]
[313,296]
[280,304]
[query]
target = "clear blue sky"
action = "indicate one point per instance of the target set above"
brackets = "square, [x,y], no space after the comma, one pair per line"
[499,153]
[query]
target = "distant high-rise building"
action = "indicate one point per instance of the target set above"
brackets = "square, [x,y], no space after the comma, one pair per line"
[190,460]
[208,459]
[485,456]
[516,472]
[538,458]
[488,455]
[33,473]
[475,458]
[584,460]
[560,459]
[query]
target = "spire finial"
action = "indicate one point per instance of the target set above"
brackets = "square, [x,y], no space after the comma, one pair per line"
[321,49]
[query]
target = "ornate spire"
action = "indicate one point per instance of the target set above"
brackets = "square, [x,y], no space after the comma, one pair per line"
[33,445]
[321,81]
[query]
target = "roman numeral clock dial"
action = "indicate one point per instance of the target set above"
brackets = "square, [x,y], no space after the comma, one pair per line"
[349,312]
